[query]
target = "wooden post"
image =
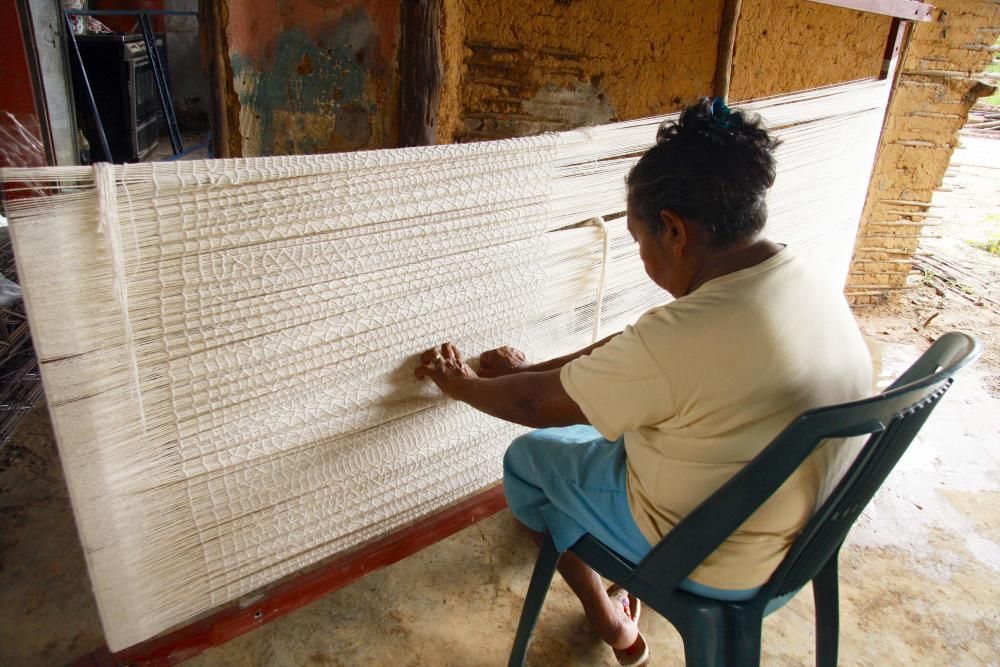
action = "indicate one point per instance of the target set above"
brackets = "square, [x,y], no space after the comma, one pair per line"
[420,72]
[224,114]
[727,44]
[896,46]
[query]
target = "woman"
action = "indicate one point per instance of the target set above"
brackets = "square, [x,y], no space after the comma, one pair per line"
[661,415]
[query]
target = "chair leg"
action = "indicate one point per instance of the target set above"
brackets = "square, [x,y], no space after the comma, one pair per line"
[746,631]
[541,578]
[827,598]
[707,640]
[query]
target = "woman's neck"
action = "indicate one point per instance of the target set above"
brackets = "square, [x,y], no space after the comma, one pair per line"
[717,263]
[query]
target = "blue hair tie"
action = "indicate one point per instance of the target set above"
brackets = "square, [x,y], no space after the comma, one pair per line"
[721,114]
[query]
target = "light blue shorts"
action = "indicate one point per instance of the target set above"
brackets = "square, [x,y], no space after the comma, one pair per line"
[571,481]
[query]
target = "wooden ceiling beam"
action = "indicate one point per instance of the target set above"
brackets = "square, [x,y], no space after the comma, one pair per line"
[908,10]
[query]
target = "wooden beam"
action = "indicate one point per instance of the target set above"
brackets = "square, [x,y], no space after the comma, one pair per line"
[727,44]
[309,586]
[421,72]
[908,10]
[891,61]
[224,105]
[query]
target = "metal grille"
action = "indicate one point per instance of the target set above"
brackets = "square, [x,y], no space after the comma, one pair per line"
[146,138]
[145,92]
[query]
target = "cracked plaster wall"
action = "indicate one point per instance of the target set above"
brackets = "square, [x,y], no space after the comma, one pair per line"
[313,76]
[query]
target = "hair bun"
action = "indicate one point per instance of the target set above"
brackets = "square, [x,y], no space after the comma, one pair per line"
[723,116]
[711,120]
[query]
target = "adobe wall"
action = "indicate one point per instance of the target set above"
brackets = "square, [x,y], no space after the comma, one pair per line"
[937,87]
[787,45]
[520,67]
[528,66]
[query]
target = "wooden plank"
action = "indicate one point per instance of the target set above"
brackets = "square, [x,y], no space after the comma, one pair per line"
[421,72]
[224,108]
[893,49]
[309,586]
[727,43]
[908,10]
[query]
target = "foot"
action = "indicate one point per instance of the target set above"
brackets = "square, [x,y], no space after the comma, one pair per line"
[628,644]
[624,631]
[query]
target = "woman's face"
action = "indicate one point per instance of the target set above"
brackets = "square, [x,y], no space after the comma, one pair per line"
[661,253]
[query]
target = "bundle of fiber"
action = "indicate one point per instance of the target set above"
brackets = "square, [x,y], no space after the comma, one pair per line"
[227,346]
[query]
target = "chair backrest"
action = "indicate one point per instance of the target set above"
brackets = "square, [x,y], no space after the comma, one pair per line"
[892,419]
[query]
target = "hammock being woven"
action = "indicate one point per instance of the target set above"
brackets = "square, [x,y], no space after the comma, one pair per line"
[227,346]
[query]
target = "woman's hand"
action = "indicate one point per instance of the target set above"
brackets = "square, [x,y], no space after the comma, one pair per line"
[444,365]
[501,361]
[535,399]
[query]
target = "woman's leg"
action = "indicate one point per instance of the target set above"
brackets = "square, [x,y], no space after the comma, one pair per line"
[552,482]
[606,616]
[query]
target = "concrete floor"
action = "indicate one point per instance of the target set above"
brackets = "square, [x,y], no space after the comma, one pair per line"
[920,581]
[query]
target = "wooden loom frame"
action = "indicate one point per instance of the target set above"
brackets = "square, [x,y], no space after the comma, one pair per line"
[316,582]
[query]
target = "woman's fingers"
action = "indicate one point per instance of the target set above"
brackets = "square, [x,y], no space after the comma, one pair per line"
[488,359]
[428,356]
[443,365]
[501,361]
[449,351]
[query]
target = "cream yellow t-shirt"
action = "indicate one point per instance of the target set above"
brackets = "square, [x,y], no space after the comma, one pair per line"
[701,385]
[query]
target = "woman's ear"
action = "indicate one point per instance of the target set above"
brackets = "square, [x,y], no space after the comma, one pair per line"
[674,233]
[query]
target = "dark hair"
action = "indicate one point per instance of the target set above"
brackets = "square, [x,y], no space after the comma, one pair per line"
[712,167]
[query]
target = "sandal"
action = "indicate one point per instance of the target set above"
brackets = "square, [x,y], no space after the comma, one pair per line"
[636,655]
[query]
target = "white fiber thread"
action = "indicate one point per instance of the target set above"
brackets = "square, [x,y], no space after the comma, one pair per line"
[108,226]
[598,221]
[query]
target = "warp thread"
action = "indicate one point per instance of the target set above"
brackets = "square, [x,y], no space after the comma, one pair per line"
[108,226]
[602,283]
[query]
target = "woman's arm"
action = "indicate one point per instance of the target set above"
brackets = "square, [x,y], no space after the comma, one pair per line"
[530,398]
[508,360]
[559,362]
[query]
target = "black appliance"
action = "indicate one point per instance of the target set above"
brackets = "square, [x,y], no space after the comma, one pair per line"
[121,78]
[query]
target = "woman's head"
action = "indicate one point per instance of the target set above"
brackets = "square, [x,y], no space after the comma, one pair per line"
[713,168]
[699,193]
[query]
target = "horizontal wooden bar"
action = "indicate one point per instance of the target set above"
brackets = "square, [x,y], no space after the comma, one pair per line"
[127,12]
[309,586]
[909,10]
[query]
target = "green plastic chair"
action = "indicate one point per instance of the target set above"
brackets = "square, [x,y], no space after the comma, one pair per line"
[717,633]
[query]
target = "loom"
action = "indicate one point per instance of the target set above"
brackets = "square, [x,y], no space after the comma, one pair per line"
[227,346]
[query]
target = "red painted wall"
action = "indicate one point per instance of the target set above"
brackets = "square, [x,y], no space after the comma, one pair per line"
[17,95]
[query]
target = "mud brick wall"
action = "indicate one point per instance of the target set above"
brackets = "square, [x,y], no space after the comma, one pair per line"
[520,67]
[937,87]
[787,45]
